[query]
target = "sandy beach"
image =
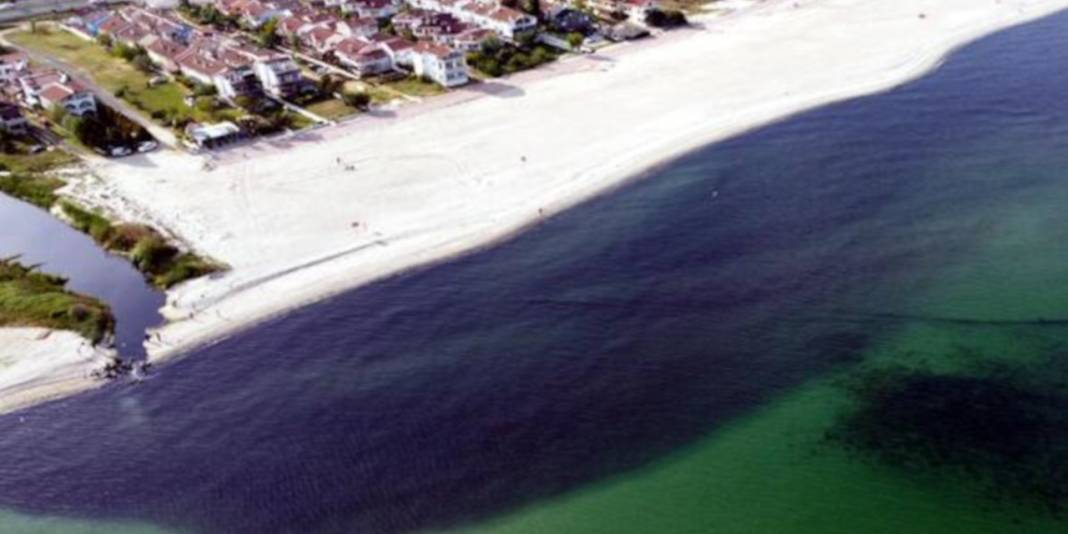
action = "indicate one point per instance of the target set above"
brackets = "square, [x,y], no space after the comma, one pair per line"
[304,218]
[37,364]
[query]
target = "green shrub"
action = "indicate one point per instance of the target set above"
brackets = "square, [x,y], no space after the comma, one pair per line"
[88,222]
[151,254]
[357,99]
[37,190]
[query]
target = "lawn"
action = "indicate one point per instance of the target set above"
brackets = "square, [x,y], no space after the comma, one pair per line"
[30,298]
[378,94]
[413,86]
[331,108]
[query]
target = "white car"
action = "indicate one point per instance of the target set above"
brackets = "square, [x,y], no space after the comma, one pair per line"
[120,151]
[147,146]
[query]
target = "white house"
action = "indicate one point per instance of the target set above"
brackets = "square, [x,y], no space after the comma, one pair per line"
[443,65]
[279,76]
[400,51]
[12,66]
[53,88]
[72,96]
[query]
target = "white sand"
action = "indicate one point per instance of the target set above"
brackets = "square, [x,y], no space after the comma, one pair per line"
[445,177]
[37,364]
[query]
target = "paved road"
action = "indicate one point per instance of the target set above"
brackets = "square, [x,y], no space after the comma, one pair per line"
[24,9]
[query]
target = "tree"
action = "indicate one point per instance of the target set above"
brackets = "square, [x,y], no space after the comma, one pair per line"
[104,40]
[57,114]
[7,143]
[143,63]
[328,85]
[665,19]
[206,104]
[490,46]
[532,7]
[575,39]
[357,99]
[267,34]
[245,102]
[203,89]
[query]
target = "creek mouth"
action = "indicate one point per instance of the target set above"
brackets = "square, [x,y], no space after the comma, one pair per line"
[38,238]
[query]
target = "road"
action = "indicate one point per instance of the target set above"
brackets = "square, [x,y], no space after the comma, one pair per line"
[24,9]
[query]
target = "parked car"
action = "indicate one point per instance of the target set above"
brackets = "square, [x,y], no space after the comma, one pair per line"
[37,149]
[120,151]
[147,146]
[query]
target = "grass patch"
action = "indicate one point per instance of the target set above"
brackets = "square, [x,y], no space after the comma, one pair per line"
[40,162]
[298,121]
[415,86]
[35,189]
[31,298]
[378,94]
[331,108]
[688,6]
[161,263]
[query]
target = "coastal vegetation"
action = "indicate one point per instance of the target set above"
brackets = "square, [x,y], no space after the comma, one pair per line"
[163,264]
[39,190]
[32,298]
[23,161]
[497,58]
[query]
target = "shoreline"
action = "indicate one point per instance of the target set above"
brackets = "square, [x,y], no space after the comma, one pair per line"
[298,230]
[40,365]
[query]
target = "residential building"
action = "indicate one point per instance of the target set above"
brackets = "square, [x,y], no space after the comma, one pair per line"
[400,51]
[443,65]
[216,135]
[374,9]
[11,119]
[48,89]
[632,10]
[510,24]
[12,66]
[280,76]
[472,40]
[363,57]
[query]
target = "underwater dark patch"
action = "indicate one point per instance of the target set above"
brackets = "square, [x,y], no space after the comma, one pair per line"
[1011,438]
[839,348]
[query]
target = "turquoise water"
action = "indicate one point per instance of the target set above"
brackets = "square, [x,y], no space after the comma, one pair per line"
[701,351]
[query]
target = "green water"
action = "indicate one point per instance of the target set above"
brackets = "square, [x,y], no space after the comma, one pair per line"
[774,470]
